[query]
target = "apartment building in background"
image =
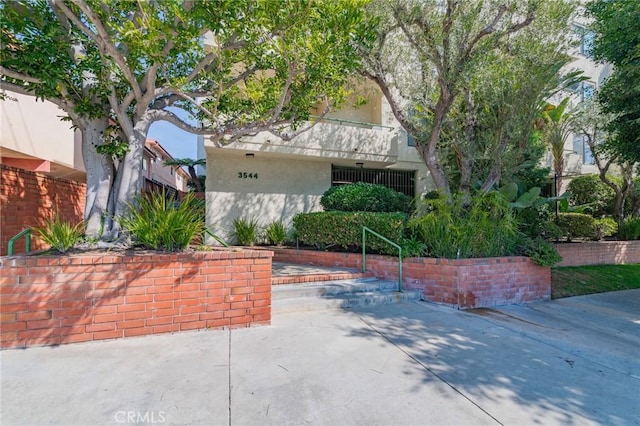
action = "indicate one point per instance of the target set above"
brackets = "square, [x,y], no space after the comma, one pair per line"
[34,138]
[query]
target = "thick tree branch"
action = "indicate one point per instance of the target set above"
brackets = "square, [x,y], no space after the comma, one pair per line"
[18,76]
[102,39]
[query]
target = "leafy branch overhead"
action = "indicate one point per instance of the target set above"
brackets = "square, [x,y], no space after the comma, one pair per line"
[236,68]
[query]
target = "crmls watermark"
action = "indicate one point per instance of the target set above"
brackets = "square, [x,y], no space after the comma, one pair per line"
[138,417]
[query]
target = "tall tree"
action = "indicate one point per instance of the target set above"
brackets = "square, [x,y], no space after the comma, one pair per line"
[435,61]
[556,129]
[617,28]
[591,123]
[239,67]
[43,55]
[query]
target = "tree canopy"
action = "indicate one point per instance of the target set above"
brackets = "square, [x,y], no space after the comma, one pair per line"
[617,28]
[238,67]
[467,79]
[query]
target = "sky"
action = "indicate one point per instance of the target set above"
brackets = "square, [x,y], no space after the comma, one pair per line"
[177,142]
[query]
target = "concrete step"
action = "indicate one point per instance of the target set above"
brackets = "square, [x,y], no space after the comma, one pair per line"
[341,294]
[327,288]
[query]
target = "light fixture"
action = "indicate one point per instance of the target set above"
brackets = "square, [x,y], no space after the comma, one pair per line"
[249,155]
[359,165]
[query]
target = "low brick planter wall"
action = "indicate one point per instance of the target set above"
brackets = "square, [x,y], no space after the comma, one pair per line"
[50,300]
[465,283]
[599,253]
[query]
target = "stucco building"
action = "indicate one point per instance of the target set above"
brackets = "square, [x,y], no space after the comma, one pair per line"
[269,179]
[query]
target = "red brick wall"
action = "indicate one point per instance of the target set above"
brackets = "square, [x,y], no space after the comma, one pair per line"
[599,253]
[466,283]
[48,300]
[27,199]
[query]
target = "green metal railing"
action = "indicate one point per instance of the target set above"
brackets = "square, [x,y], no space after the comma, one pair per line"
[364,252]
[27,241]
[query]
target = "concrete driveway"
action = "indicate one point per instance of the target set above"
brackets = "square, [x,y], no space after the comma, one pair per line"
[572,361]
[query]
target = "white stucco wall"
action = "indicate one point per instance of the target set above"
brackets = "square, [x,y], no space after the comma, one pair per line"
[34,128]
[284,187]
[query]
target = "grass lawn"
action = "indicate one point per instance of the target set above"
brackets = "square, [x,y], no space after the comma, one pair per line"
[577,280]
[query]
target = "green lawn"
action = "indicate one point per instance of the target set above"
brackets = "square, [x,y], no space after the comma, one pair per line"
[577,280]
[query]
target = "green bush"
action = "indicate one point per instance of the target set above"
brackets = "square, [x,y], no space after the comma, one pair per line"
[275,233]
[629,229]
[576,225]
[365,197]
[246,232]
[485,228]
[61,236]
[604,227]
[591,193]
[542,252]
[163,224]
[344,229]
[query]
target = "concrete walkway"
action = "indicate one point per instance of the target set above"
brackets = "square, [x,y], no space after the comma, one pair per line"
[573,361]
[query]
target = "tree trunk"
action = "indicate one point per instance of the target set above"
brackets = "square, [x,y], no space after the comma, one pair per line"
[428,151]
[128,182]
[100,174]
[195,180]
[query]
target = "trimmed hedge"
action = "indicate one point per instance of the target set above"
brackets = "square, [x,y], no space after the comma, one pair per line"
[365,197]
[344,229]
[576,225]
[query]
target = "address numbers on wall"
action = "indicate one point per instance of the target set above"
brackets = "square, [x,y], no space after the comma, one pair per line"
[247,175]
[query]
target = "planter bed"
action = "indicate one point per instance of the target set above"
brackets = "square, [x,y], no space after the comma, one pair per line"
[464,283]
[50,300]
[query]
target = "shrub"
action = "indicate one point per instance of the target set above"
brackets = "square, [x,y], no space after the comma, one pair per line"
[412,247]
[344,229]
[629,229]
[576,225]
[275,233]
[589,191]
[452,230]
[163,224]
[246,232]
[365,197]
[604,227]
[61,236]
[541,252]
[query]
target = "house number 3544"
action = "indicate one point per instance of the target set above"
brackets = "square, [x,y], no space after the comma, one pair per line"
[245,175]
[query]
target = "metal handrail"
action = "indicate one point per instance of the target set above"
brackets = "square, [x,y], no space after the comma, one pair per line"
[26,233]
[364,252]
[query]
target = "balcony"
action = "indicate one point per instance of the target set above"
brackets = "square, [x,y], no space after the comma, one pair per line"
[330,139]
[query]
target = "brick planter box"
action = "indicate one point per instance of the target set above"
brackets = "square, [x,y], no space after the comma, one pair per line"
[465,283]
[599,253]
[50,300]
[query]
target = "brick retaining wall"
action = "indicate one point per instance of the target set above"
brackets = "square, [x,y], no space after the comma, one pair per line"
[599,253]
[465,283]
[28,199]
[49,300]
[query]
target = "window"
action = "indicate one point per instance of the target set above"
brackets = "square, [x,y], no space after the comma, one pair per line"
[581,147]
[586,38]
[171,168]
[399,180]
[410,141]
[144,164]
[585,90]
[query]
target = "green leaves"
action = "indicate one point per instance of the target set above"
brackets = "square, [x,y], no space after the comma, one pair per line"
[161,223]
[60,235]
